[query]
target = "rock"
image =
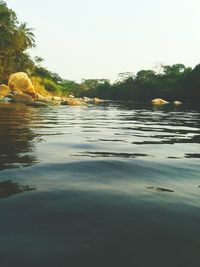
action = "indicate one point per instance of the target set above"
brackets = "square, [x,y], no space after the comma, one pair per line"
[97,100]
[22,98]
[38,104]
[177,103]
[56,98]
[92,100]
[4,90]
[72,102]
[159,101]
[54,103]
[46,100]
[21,83]
[5,99]
[41,98]
[87,99]
[71,96]
[17,92]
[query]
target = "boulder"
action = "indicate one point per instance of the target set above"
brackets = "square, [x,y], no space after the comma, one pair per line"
[22,98]
[71,96]
[4,90]
[159,101]
[72,102]
[41,98]
[177,103]
[56,98]
[87,99]
[37,104]
[16,92]
[97,100]
[4,100]
[21,83]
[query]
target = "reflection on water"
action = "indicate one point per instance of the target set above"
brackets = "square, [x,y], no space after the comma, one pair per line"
[114,185]
[112,154]
[192,155]
[160,189]
[16,137]
[9,188]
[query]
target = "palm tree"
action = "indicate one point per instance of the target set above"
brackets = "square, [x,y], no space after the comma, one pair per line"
[27,36]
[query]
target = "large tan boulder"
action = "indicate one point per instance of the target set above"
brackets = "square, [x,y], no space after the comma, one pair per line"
[159,101]
[4,90]
[21,83]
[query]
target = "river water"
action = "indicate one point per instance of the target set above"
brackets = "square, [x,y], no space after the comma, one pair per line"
[110,185]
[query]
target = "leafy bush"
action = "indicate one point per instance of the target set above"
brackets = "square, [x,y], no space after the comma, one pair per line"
[51,86]
[39,86]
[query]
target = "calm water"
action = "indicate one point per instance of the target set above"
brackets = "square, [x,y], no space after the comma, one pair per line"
[112,185]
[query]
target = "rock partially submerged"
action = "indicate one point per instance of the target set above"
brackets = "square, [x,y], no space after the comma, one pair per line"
[97,100]
[38,104]
[73,102]
[41,98]
[22,98]
[57,98]
[159,102]
[177,103]
[5,100]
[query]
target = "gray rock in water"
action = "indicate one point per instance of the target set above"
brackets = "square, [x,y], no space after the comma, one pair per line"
[22,98]
[38,104]
[5,100]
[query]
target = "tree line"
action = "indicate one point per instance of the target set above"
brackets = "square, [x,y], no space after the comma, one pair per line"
[175,82]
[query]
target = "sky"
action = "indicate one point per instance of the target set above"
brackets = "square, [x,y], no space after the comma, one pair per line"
[89,39]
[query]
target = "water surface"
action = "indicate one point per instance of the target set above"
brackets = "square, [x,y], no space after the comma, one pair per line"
[110,185]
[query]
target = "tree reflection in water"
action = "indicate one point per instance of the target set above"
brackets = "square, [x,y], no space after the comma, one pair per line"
[9,188]
[16,137]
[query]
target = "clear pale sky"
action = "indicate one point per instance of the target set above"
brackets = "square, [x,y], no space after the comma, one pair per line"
[101,38]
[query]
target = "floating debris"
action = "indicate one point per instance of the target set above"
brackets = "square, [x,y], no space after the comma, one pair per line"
[160,189]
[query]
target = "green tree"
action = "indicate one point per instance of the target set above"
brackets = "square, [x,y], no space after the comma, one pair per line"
[15,39]
[26,37]
[174,71]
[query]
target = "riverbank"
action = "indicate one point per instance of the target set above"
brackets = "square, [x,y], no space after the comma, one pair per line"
[20,89]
